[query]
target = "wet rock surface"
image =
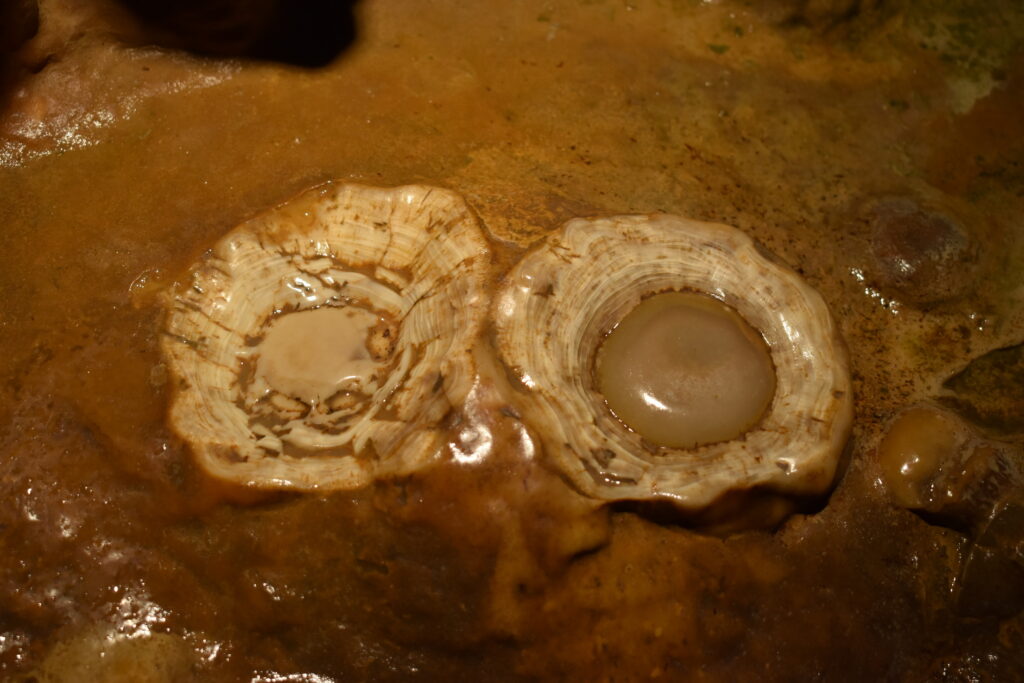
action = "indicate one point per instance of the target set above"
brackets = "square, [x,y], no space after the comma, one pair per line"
[990,389]
[921,255]
[126,163]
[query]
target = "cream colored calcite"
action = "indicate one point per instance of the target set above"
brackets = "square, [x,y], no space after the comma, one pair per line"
[564,297]
[405,270]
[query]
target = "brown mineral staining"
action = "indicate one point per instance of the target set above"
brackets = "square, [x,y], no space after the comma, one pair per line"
[820,14]
[121,166]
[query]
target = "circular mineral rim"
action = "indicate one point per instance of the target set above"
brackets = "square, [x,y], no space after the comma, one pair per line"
[321,344]
[565,296]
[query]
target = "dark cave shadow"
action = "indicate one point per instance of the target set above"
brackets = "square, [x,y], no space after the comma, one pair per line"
[19,22]
[301,33]
[304,33]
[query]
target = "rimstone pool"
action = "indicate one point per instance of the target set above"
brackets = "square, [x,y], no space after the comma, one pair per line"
[874,149]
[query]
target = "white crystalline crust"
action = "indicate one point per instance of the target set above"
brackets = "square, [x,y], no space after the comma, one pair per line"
[569,292]
[415,254]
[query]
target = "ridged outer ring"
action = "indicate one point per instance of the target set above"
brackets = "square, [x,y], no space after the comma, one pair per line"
[416,253]
[566,294]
